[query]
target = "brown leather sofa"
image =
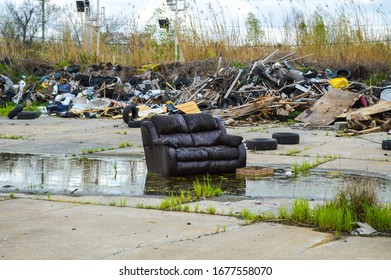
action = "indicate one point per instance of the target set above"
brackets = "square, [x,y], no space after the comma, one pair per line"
[190,144]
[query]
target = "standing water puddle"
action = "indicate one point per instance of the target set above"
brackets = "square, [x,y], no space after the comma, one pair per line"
[40,174]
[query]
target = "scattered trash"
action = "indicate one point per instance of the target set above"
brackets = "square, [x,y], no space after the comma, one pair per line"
[267,89]
[363,229]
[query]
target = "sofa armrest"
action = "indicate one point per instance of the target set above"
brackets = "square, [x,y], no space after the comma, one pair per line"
[230,140]
[160,142]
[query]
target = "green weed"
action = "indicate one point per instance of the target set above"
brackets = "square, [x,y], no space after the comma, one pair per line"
[12,137]
[292,152]
[249,216]
[124,145]
[196,208]
[301,211]
[206,188]
[186,208]
[122,202]
[211,210]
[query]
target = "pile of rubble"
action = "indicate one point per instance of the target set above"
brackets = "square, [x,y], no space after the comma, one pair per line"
[266,90]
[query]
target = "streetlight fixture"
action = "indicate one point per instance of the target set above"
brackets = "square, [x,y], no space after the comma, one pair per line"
[85,7]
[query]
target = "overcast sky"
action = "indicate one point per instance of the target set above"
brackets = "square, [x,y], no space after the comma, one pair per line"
[270,12]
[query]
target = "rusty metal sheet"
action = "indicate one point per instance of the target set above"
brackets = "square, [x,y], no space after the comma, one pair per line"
[326,109]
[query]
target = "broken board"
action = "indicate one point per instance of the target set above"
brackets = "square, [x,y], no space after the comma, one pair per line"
[380,107]
[255,171]
[326,109]
[188,107]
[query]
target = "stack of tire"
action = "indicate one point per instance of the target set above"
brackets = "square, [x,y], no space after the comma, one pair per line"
[264,144]
[22,115]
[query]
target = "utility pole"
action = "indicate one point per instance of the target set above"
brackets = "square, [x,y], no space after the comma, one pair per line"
[43,22]
[95,22]
[173,4]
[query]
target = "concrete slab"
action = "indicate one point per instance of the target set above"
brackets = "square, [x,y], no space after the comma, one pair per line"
[88,227]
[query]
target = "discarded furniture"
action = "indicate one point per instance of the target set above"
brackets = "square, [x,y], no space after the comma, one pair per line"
[190,144]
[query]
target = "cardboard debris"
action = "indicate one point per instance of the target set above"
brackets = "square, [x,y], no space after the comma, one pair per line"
[255,171]
[327,108]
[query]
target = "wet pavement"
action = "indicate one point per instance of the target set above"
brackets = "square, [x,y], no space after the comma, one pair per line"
[114,227]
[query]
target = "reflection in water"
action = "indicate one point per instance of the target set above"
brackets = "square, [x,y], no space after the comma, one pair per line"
[316,185]
[125,176]
[65,175]
[155,184]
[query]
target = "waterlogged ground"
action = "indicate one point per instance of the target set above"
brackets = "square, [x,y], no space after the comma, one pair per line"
[112,176]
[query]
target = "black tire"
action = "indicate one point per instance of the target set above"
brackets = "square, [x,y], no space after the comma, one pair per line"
[236,99]
[386,145]
[289,79]
[132,109]
[27,115]
[285,81]
[261,144]
[134,124]
[12,114]
[345,73]
[286,137]
[225,103]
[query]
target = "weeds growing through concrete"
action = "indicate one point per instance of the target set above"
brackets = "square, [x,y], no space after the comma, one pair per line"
[12,137]
[206,188]
[356,202]
[292,152]
[124,145]
[122,202]
[211,210]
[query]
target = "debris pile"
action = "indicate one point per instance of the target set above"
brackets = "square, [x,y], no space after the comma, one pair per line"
[266,90]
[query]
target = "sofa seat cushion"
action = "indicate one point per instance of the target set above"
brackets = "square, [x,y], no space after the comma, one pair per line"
[191,154]
[221,152]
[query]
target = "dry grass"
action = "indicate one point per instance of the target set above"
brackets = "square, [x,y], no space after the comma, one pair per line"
[347,39]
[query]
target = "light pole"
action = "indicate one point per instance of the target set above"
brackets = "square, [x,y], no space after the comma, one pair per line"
[173,4]
[43,22]
[85,6]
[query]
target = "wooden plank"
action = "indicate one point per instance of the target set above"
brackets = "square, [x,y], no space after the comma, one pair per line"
[142,107]
[255,171]
[326,109]
[369,130]
[380,107]
[188,107]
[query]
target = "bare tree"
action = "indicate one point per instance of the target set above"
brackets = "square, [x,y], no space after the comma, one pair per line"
[23,22]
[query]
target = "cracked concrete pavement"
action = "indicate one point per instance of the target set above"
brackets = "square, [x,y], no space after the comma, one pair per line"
[67,227]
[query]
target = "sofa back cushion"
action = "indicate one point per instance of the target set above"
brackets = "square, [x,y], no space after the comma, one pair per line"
[168,124]
[205,138]
[200,122]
